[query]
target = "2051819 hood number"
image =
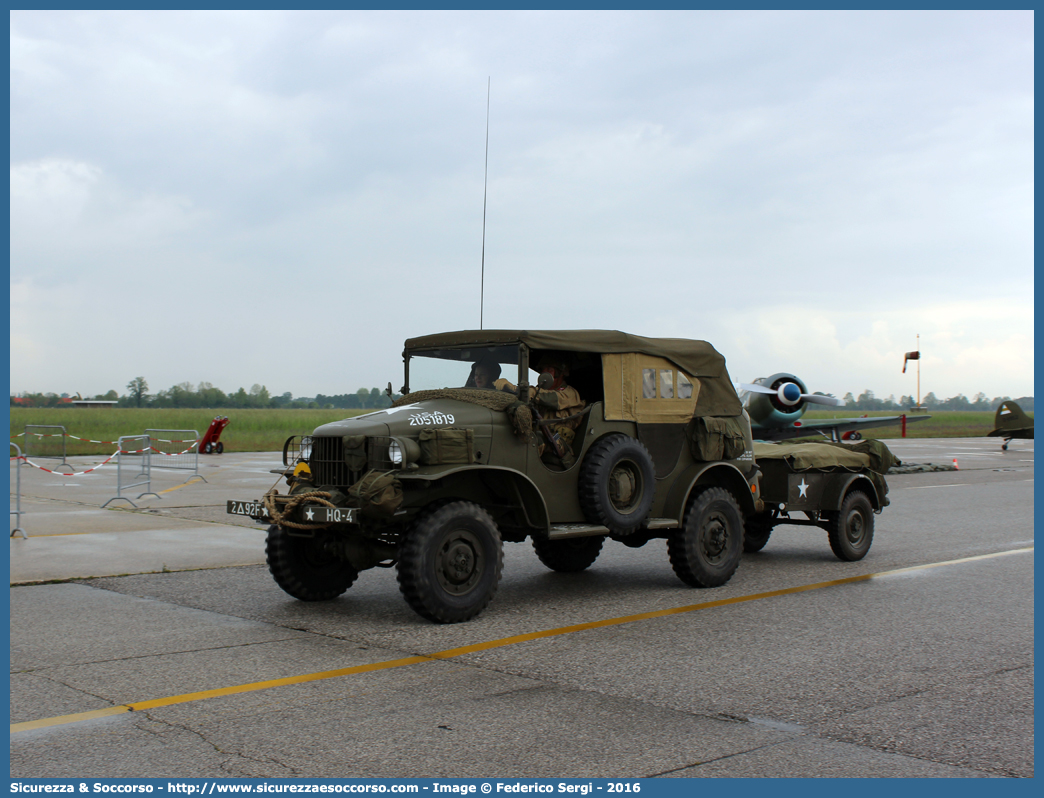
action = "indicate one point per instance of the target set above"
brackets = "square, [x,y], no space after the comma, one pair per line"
[424,419]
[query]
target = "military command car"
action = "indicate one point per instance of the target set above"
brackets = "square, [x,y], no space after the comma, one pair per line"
[661,449]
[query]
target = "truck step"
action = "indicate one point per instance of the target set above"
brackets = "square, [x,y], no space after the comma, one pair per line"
[559,531]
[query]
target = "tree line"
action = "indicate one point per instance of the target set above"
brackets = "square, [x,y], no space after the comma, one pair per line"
[206,395]
[867,401]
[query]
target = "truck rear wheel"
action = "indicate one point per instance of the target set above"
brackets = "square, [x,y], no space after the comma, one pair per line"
[706,550]
[570,555]
[305,568]
[851,529]
[756,534]
[450,562]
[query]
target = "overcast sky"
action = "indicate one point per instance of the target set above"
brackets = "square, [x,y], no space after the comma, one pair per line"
[284,197]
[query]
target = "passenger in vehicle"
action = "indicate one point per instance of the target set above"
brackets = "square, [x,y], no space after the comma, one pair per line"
[556,400]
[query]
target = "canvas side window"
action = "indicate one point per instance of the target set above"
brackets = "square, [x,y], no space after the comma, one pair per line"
[647,389]
[648,383]
[684,386]
[666,384]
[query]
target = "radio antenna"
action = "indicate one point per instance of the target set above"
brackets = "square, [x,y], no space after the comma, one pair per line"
[485,174]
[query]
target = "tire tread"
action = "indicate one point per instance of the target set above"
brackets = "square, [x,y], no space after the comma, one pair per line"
[418,584]
[561,556]
[681,549]
[594,472]
[283,555]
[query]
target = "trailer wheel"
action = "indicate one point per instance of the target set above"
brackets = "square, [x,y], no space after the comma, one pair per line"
[851,529]
[756,534]
[220,447]
[706,550]
[617,483]
[450,562]
[305,567]
[570,555]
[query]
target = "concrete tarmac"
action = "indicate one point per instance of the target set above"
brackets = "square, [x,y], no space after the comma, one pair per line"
[180,523]
[916,661]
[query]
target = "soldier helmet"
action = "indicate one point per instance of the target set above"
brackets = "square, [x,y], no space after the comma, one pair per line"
[557,362]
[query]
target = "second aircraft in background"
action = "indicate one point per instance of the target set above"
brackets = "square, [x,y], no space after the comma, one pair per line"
[776,404]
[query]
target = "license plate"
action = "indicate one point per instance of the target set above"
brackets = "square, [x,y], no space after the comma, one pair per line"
[329,515]
[251,509]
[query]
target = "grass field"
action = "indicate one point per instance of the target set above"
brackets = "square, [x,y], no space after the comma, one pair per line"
[941,424]
[247,430]
[266,430]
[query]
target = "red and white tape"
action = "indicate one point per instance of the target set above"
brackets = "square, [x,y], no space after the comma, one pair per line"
[173,454]
[63,473]
[88,440]
[109,443]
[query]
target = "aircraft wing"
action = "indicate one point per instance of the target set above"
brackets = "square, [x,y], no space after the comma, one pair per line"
[1022,433]
[828,427]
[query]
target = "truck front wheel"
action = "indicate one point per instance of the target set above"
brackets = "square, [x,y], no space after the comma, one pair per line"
[305,568]
[851,529]
[450,562]
[706,550]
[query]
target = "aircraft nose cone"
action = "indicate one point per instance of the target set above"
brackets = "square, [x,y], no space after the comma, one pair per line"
[790,393]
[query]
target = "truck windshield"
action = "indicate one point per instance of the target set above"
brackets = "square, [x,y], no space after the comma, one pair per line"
[464,367]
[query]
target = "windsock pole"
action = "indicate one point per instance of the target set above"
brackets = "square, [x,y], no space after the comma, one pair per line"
[918,361]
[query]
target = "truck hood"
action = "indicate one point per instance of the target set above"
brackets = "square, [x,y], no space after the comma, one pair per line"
[410,419]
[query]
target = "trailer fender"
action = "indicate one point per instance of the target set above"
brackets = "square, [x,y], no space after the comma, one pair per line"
[721,475]
[835,492]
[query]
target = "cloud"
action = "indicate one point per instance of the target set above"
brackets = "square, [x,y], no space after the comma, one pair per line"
[966,347]
[275,191]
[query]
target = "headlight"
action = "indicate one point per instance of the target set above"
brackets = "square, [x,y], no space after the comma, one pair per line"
[402,452]
[306,447]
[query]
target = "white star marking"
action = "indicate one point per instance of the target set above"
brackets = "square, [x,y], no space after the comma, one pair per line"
[389,411]
[802,488]
[309,515]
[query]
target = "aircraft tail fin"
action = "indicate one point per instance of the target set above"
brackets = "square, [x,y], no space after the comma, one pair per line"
[1010,416]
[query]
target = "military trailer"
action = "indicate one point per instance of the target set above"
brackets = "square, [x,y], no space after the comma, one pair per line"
[659,448]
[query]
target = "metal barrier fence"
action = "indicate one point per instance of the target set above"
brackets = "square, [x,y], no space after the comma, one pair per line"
[17,512]
[46,443]
[177,449]
[133,462]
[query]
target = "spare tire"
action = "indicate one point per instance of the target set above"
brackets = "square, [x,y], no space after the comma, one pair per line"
[617,483]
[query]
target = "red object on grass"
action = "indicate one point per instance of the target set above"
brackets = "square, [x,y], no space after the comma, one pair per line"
[210,442]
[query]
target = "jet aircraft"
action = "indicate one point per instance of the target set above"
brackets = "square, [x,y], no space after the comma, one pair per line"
[776,404]
[1011,423]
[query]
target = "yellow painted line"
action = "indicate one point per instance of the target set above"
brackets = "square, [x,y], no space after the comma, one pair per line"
[182,485]
[202,695]
[253,686]
[176,487]
[63,719]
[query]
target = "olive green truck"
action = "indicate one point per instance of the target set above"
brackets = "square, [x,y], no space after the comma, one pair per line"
[660,448]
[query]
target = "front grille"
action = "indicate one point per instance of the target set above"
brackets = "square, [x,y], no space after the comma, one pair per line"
[327,462]
[377,454]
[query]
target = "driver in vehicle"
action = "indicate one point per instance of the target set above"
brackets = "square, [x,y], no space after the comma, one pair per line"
[483,375]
